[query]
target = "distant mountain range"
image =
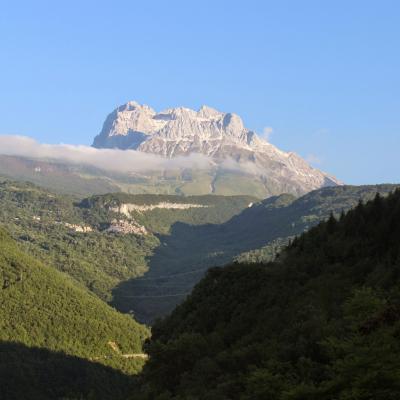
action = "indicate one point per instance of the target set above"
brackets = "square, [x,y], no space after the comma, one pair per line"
[222,137]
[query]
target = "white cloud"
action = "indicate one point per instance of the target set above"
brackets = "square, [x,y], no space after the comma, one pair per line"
[267,132]
[107,159]
[112,159]
[247,167]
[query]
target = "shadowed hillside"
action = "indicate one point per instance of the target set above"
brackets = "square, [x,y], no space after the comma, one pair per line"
[144,253]
[257,233]
[30,373]
[321,323]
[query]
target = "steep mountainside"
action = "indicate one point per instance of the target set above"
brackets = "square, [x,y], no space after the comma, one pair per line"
[284,217]
[83,180]
[220,136]
[322,323]
[144,253]
[93,240]
[257,233]
[58,231]
[47,320]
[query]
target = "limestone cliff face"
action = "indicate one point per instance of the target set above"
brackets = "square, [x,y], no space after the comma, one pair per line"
[174,131]
[221,136]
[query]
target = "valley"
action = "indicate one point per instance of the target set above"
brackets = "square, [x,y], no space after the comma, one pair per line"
[100,264]
[199,200]
[91,240]
[321,322]
[143,254]
[61,265]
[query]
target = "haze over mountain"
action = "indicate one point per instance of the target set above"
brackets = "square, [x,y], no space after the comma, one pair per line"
[220,136]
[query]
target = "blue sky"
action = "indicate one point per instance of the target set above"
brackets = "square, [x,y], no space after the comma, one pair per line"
[325,76]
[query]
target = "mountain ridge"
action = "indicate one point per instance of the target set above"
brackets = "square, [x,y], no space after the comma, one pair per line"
[108,243]
[220,136]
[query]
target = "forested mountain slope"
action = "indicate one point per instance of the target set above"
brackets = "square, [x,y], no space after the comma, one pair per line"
[322,322]
[144,253]
[257,233]
[54,229]
[91,240]
[43,308]
[283,217]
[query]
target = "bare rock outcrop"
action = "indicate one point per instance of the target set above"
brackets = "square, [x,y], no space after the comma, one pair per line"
[220,136]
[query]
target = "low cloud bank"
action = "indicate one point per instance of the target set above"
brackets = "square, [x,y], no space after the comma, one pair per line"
[108,159]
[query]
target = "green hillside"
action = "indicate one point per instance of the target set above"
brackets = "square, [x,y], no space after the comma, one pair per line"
[322,322]
[149,274]
[271,223]
[257,233]
[38,220]
[207,209]
[44,224]
[43,308]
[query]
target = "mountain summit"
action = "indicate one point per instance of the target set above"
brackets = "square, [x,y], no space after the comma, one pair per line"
[175,131]
[221,136]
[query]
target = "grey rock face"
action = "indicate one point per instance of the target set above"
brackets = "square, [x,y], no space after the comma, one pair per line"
[221,136]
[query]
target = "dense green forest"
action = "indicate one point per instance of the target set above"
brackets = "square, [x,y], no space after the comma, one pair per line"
[147,275]
[214,209]
[256,234]
[42,222]
[43,308]
[277,219]
[37,219]
[321,322]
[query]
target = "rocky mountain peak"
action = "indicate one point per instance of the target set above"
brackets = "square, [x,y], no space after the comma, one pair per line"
[136,121]
[209,112]
[218,135]
[233,124]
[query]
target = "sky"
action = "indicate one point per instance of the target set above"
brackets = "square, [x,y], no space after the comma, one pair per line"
[315,77]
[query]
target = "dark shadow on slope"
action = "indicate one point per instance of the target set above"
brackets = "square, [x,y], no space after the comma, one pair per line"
[183,257]
[188,251]
[35,373]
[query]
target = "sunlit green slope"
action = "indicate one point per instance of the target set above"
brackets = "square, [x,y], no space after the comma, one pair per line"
[42,307]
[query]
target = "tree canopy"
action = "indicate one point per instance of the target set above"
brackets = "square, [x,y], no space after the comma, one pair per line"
[322,322]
